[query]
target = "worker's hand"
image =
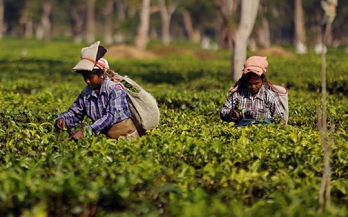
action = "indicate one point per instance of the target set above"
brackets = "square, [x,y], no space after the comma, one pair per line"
[283,123]
[234,115]
[60,124]
[77,135]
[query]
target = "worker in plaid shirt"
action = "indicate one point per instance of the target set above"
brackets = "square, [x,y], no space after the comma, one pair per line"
[252,100]
[102,100]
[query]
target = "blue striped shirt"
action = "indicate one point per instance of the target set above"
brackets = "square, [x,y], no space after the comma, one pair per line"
[265,105]
[110,106]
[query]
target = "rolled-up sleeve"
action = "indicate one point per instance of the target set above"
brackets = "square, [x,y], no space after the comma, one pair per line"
[75,114]
[227,107]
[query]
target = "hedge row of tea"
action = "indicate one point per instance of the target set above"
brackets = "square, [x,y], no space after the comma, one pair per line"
[193,164]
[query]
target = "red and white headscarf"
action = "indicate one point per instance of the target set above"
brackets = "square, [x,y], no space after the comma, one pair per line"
[102,64]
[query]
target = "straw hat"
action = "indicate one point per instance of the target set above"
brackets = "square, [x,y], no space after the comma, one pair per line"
[87,58]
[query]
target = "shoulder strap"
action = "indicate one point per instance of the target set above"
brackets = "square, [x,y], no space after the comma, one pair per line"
[234,88]
[283,96]
[277,88]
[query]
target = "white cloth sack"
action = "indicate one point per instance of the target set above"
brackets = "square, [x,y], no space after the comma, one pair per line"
[283,96]
[143,106]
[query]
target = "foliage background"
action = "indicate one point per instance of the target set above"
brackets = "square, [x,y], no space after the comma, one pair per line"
[206,19]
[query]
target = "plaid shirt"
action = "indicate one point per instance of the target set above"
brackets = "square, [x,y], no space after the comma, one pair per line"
[265,105]
[110,106]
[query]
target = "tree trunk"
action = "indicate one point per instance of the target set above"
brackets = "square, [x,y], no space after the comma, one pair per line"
[121,16]
[240,42]
[29,28]
[142,35]
[46,21]
[229,7]
[300,31]
[165,17]
[27,21]
[235,7]
[339,33]
[264,36]
[76,13]
[121,9]
[188,26]
[39,31]
[324,201]
[166,14]
[108,22]
[90,24]
[1,18]
[225,34]
[329,7]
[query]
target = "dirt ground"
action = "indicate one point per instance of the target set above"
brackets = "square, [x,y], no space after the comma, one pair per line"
[131,52]
[275,51]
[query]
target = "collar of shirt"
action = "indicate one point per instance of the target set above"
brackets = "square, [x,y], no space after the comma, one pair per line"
[260,95]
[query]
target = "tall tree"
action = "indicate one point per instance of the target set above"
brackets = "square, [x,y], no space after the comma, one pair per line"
[108,21]
[77,13]
[230,6]
[1,18]
[90,24]
[188,24]
[43,29]
[339,26]
[329,7]
[29,25]
[46,19]
[142,37]
[300,31]
[240,42]
[263,31]
[166,15]
[121,7]
[33,18]
[225,9]
[203,18]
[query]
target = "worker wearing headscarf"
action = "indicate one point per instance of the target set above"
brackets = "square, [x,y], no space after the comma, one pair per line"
[251,100]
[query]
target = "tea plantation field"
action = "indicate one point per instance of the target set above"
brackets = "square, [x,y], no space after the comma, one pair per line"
[192,164]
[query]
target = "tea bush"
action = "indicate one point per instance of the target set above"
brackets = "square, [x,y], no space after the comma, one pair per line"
[192,164]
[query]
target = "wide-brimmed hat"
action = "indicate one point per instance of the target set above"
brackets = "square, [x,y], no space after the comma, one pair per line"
[87,58]
[256,64]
